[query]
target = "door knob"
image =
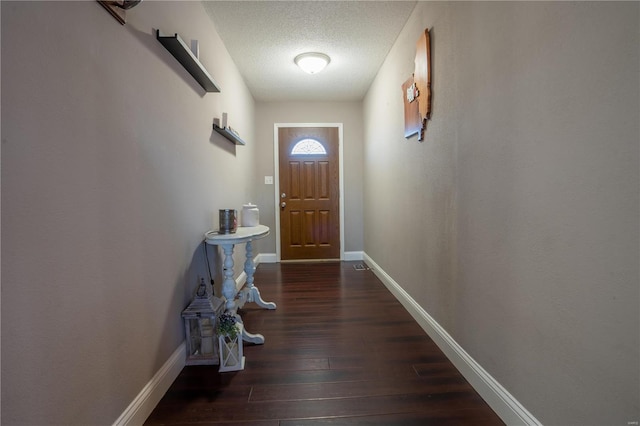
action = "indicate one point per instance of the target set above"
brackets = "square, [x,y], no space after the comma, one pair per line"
[283,204]
[283,195]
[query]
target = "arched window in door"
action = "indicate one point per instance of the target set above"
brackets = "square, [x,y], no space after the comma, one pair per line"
[308,147]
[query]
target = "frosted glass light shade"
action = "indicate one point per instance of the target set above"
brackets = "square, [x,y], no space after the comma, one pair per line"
[312,62]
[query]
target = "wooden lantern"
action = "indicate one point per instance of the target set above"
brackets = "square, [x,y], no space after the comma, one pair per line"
[230,343]
[200,327]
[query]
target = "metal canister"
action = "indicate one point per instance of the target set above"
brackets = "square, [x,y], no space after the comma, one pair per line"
[228,221]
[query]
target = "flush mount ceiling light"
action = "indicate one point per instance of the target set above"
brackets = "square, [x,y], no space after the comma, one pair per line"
[312,62]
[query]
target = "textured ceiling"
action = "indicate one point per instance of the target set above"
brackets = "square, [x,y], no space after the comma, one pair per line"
[263,37]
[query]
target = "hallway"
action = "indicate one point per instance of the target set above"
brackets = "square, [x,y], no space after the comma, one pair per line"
[339,350]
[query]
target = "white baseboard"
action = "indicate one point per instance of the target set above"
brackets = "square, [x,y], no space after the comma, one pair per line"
[267,258]
[241,280]
[499,399]
[143,404]
[353,255]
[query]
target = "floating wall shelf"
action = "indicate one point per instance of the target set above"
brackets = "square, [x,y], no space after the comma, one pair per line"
[185,56]
[224,131]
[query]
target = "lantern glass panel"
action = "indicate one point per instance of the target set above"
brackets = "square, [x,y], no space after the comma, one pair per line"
[207,335]
[194,333]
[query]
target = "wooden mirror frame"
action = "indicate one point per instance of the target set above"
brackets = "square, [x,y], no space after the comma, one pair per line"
[417,90]
[422,76]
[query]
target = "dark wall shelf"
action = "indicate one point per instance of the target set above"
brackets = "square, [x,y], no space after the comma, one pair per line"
[183,54]
[224,131]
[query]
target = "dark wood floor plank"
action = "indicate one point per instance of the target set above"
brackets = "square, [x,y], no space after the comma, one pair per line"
[468,416]
[361,389]
[240,423]
[325,408]
[339,350]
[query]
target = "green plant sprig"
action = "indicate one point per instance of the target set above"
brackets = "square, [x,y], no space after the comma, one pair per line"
[227,325]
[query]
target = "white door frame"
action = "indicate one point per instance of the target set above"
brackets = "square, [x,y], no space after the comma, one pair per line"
[276,162]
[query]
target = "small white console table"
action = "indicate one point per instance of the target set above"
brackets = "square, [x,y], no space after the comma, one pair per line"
[249,293]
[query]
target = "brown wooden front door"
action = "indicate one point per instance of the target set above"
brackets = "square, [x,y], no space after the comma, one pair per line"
[309,193]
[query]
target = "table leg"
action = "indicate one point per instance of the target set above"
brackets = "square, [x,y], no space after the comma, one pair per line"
[229,284]
[258,339]
[253,294]
[229,291]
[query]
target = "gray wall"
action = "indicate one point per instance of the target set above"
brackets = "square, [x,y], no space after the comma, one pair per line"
[110,177]
[522,202]
[348,113]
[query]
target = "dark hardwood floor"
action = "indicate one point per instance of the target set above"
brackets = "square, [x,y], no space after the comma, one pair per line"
[339,350]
